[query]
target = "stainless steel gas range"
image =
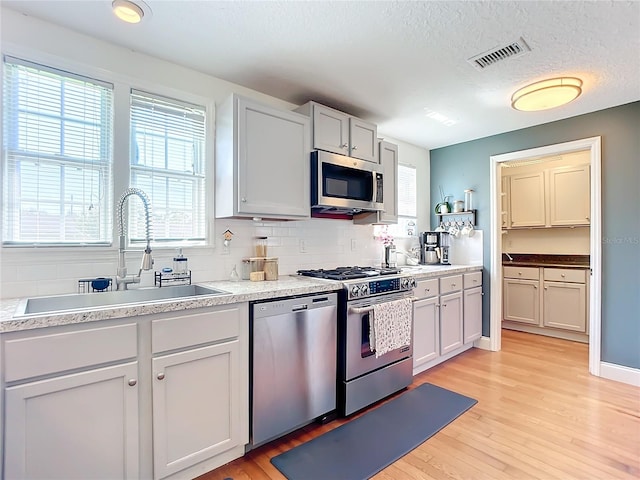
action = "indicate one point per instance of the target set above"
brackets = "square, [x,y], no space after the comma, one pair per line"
[364,377]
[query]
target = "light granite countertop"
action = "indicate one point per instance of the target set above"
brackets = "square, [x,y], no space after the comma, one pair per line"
[242,291]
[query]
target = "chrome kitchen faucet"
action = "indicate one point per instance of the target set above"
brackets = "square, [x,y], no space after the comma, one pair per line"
[122,280]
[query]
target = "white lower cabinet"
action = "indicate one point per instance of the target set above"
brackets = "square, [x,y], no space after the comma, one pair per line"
[472,314]
[158,396]
[521,301]
[450,322]
[78,426]
[445,322]
[426,330]
[195,406]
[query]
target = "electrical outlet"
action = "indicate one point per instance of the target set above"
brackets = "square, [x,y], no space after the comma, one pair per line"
[354,244]
[303,246]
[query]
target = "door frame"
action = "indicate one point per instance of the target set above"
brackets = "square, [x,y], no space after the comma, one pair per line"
[593,145]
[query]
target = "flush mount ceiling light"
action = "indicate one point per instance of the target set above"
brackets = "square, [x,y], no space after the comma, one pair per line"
[128,11]
[546,94]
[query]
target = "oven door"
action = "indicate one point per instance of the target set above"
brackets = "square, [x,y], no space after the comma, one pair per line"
[359,358]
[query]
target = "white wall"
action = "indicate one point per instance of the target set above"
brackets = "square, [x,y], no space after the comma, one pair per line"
[45,271]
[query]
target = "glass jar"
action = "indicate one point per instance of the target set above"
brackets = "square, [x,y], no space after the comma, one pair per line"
[261,247]
[468,200]
[271,268]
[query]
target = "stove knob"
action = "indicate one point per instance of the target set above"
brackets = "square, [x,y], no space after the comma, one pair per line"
[355,291]
[364,289]
[412,282]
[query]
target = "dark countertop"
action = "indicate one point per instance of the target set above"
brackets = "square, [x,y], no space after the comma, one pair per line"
[544,260]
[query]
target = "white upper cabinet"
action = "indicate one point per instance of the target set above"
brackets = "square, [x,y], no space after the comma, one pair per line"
[569,195]
[553,197]
[262,161]
[527,200]
[389,161]
[337,132]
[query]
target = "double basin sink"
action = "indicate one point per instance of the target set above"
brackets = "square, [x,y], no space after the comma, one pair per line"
[63,303]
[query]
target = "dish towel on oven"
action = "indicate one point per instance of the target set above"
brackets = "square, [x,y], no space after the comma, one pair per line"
[390,326]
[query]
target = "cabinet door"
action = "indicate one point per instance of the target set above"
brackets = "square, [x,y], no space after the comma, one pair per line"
[521,301]
[330,130]
[564,306]
[363,140]
[79,426]
[389,161]
[450,322]
[273,162]
[196,401]
[569,196]
[426,341]
[472,314]
[527,200]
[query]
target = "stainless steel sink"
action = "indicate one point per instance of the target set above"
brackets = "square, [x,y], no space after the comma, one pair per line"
[59,303]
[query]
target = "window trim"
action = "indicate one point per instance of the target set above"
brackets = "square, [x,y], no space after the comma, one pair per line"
[122,84]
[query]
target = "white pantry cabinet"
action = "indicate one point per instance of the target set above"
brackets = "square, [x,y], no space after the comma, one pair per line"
[389,161]
[338,132]
[558,309]
[262,161]
[553,197]
[521,295]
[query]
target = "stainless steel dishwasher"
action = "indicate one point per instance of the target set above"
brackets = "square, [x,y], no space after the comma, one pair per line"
[294,355]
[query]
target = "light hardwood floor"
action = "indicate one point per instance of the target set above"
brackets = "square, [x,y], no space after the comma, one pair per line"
[540,415]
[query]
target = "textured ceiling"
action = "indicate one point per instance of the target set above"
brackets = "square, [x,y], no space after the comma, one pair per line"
[387,61]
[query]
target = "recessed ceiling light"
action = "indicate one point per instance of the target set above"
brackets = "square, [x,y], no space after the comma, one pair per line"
[129,11]
[547,94]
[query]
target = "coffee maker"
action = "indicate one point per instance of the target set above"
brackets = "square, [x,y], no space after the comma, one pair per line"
[434,248]
[444,242]
[428,248]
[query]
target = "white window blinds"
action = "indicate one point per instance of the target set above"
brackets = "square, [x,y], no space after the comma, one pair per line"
[407,201]
[57,157]
[168,164]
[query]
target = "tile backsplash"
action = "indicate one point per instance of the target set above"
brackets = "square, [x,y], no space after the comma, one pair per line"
[314,243]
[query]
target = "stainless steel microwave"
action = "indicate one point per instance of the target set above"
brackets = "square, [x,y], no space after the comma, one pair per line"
[345,184]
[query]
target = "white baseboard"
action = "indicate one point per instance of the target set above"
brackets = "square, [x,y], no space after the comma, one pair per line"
[620,373]
[483,343]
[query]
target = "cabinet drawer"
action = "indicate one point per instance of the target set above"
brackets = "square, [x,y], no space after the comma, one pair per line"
[426,288]
[194,329]
[450,284]
[527,273]
[564,275]
[472,279]
[69,350]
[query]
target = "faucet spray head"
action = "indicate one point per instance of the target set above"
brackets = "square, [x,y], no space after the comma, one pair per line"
[147,260]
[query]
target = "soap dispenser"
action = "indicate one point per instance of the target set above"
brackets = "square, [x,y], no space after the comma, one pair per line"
[180,263]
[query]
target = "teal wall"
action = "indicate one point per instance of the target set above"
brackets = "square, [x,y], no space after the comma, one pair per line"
[467,165]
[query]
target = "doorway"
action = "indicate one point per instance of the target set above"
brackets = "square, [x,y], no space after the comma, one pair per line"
[593,145]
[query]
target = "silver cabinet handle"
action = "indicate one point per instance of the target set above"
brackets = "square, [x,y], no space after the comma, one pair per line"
[344,145]
[243,200]
[132,382]
[562,275]
[160,376]
[355,147]
[535,287]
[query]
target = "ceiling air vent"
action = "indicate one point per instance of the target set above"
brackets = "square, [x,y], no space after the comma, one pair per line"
[486,59]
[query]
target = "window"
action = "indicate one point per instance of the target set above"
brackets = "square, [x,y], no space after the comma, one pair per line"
[57,157]
[407,202]
[168,164]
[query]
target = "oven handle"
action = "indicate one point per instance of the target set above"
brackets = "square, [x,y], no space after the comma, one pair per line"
[369,308]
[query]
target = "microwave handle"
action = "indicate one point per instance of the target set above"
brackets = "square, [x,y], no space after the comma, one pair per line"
[377,188]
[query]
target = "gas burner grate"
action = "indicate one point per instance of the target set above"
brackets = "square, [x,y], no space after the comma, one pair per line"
[348,273]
